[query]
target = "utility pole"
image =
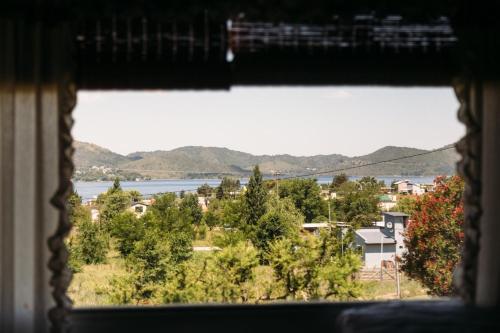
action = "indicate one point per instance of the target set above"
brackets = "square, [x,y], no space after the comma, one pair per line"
[381,256]
[329,214]
[398,283]
[342,240]
[276,179]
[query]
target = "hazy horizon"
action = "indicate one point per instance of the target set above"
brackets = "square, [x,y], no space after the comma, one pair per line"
[332,153]
[298,121]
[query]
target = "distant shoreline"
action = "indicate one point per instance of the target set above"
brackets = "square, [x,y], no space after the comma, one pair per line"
[265,177]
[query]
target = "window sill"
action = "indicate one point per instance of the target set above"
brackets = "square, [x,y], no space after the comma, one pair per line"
[414,316]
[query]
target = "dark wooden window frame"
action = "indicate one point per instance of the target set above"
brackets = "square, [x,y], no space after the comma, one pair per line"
[292,317]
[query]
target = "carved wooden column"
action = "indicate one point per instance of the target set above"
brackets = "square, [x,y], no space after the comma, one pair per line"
[36,99]
[479,96]
[488,279]
[469,167]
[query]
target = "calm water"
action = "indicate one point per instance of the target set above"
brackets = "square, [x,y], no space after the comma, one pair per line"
[90,190]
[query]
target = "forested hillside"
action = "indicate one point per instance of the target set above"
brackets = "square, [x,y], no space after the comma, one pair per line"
[205,162]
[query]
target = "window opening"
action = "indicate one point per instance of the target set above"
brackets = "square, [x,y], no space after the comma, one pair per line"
[169,208]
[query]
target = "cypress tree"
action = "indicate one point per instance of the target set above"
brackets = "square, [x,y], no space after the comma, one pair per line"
[116,185]
[255,199]
[220,193]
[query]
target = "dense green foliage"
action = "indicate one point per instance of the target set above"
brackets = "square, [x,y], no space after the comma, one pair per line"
[255,200]
[261,253]
[406,204]
[338,180]
[305,194]
[357,202]
[435,235]
[227,188]
[281,220]
[89,243]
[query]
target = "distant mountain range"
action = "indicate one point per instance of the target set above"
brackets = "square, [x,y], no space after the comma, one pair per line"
[206,162]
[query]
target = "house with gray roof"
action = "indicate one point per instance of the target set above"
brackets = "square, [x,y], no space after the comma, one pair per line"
[383,242]
[375,245]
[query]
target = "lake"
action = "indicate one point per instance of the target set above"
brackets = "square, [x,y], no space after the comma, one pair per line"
[90,190]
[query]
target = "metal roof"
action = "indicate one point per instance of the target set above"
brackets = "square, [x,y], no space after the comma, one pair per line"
[316,225]
[396,214]
[374,236]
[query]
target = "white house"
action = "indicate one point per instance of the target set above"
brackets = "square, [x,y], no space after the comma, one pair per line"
[408,187]
[384,242]
[375,245]
[387,202]
[138,208]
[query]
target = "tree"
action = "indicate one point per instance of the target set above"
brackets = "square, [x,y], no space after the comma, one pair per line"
[338,180]
[220,193]
[116,185]
[168,216]
[189,207]
[310,269]
[112,203]
[369,184]
[355,205]
[127,229]
[205,190]
[282,220]
[255,200]
[210,219]
[225,276]
[306,195]
[151,261]
[90,243]
[181,246]
[435,236]
[227,188]
[406,204]
[135,196]
[234,268]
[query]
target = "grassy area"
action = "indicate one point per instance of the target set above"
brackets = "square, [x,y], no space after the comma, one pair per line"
[208,240]
[87,286]
[386,290]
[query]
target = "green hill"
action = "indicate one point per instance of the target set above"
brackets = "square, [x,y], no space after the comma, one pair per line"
[195,161]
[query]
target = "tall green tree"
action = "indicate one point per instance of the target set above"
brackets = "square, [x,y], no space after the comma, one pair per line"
[338,180]
[369,184]
[255,200]
[282,220]
[406,204]
[190,208]
[90,243]
[306,195]
[116,185]
[356,205]
[127,229]
[309,269]
[228,188]
[205,190]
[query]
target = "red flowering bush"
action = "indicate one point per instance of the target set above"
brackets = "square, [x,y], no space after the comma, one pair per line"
[434,236]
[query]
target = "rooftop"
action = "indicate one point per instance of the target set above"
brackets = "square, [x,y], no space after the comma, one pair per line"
[396,214]
[315,225]
[374,236]
[385,198]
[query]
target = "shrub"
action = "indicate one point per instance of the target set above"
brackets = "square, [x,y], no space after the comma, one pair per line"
[435,235]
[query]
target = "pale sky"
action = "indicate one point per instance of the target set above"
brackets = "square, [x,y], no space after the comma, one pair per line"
[298,121]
